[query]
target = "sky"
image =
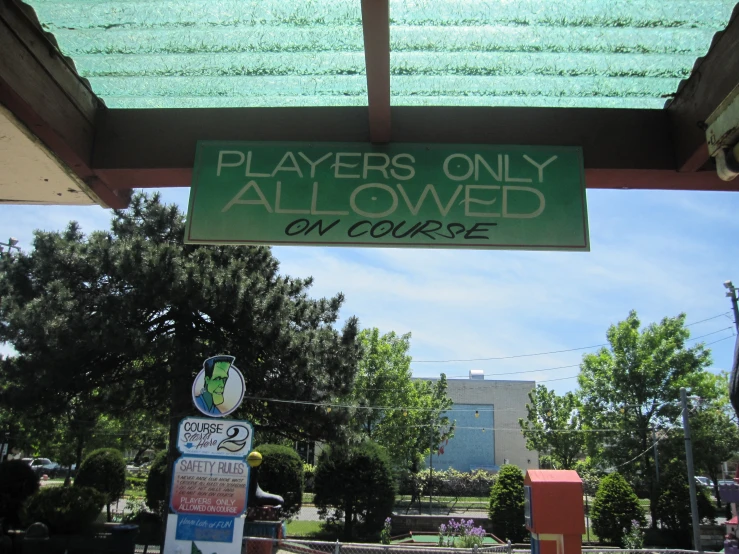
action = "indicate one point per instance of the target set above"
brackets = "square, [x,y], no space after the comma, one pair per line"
[660,253]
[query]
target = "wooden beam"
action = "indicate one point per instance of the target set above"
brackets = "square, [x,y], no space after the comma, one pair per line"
[638,179]
[611,139]
[712,79]
[41,89]
[376,29]
[622,148]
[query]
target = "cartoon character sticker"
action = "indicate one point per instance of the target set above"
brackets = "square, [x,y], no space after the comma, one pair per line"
[219,387]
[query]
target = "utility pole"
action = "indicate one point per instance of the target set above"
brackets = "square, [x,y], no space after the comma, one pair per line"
[431,470]
[691,472]
[731,293]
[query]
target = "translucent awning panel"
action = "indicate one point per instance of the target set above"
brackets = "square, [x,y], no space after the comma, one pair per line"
[213,53]
[276,53]
[568,53]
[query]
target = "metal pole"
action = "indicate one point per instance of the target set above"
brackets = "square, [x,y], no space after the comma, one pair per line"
[431,469]
[587,516]
[691,472]
[732,294]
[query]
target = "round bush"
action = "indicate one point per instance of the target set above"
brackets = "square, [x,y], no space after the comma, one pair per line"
[356,481]
[281,472]
[506,510]
[17,482]
[65,510]
[156,484]
[615,507]
[105,471]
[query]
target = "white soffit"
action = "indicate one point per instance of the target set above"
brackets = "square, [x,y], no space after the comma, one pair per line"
[30,174]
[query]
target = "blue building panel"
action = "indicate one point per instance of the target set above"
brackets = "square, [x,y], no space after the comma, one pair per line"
[471,448]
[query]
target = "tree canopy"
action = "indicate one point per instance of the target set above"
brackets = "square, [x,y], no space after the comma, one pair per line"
[633,389]
[553,426]
[122,319]
[405,416]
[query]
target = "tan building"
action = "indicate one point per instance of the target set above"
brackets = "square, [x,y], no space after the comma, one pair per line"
[487,433]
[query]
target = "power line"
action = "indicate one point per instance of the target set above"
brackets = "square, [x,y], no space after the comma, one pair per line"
[553,351]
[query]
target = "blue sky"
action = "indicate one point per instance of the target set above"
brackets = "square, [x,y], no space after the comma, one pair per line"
[658,252]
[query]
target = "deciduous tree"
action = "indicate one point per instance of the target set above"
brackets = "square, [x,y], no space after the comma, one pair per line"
[633,389]
[553,426]
[407,417]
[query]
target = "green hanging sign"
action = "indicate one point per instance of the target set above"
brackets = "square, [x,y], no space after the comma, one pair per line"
[396,195]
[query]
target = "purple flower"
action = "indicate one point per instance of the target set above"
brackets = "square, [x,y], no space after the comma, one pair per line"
[388,520]
[442,528]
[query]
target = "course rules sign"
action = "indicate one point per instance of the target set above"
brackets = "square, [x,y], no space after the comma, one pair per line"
[397,195]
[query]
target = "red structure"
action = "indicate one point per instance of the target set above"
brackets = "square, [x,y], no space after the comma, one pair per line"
[554,511]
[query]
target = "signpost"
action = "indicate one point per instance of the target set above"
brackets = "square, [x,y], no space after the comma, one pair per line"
[398,195]
[210,480]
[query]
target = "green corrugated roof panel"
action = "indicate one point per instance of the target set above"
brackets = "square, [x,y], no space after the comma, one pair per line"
[241,53]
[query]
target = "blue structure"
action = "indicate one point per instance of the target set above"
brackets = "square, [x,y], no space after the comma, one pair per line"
[471,448]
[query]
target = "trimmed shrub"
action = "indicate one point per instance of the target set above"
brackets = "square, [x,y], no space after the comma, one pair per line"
[506,510]
[156,484]
[135,483]
[355,482]
[673,504]
[65,510]
[281,472]
[449,482]
[17,482]
[615,507]
[105,471]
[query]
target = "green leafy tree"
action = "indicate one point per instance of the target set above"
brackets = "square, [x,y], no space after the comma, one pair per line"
[633,389]
[506,509]
[714,432]
[122,320]
[281,472]
[355,484]
[553,425]
[407,416]
[105,471]
[673,503]
[615,508]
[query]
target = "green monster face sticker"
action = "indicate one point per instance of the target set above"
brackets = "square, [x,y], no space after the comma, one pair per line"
[216,384]
[219,388]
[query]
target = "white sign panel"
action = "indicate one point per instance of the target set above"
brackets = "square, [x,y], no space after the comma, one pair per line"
[215,437]
[204,544]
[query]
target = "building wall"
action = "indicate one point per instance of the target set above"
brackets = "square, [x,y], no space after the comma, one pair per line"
[473,444]
[507,399]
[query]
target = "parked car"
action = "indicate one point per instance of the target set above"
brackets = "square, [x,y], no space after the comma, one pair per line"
[44,466]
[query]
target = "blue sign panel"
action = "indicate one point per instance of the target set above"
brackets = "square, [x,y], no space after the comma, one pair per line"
[204,528]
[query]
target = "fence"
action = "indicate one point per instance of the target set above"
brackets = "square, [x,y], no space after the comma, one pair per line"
[259,545]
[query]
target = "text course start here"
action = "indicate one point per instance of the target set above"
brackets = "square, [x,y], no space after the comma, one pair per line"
[398,195]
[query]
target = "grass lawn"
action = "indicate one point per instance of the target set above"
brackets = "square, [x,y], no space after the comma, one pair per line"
[311,530]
